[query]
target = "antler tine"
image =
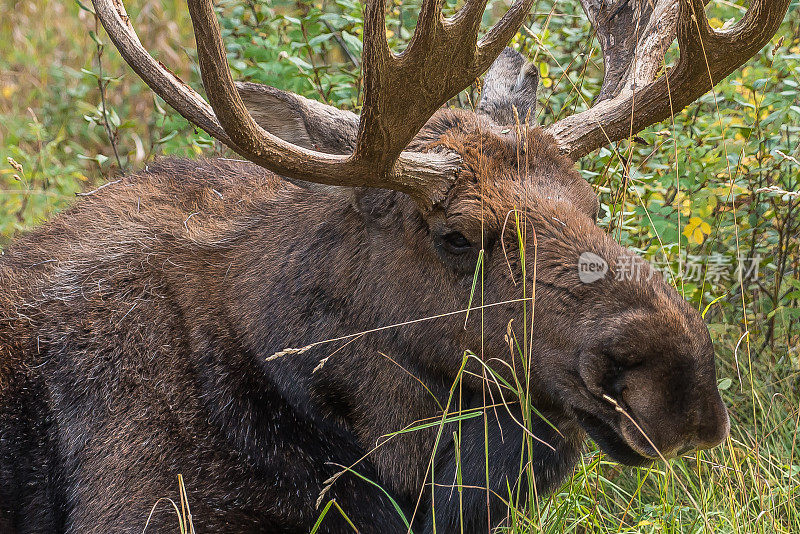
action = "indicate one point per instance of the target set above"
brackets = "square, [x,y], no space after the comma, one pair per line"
[401,93]
[429,23]
[470,16]
[619,29]
[706,57]
[164,83]
[376,59]
[376,52]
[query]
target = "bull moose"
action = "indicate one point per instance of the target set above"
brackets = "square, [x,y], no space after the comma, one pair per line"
[266,328]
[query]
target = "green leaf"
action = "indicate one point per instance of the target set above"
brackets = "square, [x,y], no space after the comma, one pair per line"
[319,39]
[99,158]
[90,73]
[302,65]
[468,415]
[94,38]
[352,41]
[394,503]
[84,7]
[321,517]
[167,137]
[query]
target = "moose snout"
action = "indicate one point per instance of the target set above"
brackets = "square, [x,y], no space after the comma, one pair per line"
[712,427]
[664,425]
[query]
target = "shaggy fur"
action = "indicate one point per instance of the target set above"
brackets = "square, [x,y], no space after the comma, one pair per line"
[136,331]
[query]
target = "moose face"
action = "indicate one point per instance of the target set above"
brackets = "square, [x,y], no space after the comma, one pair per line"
[611,344]
[616,347]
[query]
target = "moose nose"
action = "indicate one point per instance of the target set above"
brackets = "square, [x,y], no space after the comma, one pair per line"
[713,427]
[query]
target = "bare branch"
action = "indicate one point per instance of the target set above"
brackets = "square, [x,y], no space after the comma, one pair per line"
[172,89]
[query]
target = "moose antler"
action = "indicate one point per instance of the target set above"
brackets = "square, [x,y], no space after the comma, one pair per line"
[402,91]
[634,36]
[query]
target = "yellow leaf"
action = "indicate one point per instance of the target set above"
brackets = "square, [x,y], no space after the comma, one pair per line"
[696,230]
[685,204]
[544,70]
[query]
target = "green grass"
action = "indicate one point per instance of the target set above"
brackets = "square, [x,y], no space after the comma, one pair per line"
[707,170]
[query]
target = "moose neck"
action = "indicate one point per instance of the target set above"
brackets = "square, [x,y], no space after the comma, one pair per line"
[333,272]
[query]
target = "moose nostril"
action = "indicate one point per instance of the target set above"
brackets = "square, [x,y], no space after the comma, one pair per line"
[714,429]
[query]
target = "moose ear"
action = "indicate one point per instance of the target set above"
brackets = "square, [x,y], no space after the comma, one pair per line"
[510,83]
[299,120]
[307,123]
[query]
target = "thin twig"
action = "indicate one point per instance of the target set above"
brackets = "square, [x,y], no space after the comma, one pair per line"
[93,191]
[343,45]
[314,67]
[102,87]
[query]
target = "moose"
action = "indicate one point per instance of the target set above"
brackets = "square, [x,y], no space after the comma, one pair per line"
[299,327]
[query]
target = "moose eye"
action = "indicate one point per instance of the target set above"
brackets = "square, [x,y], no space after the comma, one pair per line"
[456,243]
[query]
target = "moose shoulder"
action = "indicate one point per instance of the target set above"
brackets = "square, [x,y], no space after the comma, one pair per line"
[143,333]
